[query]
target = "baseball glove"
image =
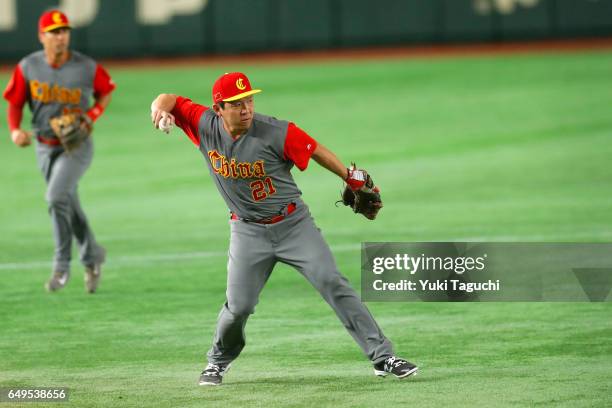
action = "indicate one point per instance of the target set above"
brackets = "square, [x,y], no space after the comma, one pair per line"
[71,129]
[361,194]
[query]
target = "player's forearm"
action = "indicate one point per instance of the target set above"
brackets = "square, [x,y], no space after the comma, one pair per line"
[14,116]
[101,102]
[164,102]
[104,100]
[329,160]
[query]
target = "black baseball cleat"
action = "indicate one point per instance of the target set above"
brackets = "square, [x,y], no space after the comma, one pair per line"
[213,374]
[396,366]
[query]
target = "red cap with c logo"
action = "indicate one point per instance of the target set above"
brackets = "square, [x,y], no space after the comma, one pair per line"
[52,20]
[232,86]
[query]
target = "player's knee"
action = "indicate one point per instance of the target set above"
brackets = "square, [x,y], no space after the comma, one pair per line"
[57,199]
[331,280]
[241,307]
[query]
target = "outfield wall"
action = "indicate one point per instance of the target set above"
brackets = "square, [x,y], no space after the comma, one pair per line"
[130,28]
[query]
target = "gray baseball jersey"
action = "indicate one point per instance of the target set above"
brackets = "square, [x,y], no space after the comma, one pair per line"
[53,91]
[252,173]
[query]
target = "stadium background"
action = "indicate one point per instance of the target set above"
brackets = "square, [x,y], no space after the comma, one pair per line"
[118,28]
[490,146]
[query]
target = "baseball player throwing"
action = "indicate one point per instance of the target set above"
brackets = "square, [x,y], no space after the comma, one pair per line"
[58,85]
[250,157]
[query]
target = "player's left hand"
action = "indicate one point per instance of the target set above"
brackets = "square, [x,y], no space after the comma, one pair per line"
[361,194]
[71,129]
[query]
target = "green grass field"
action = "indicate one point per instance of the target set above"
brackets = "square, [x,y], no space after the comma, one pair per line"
[506,148]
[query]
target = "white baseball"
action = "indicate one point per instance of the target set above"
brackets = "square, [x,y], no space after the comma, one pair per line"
[165,124]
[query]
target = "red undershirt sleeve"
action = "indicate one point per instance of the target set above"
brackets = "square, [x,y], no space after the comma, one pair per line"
[15,113]
[187,116]
[299,146]
[103,83]
[15,93]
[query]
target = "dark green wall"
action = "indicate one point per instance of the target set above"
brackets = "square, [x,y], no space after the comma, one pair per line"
[235,26]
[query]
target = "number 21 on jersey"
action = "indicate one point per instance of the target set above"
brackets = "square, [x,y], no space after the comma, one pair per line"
[261,189]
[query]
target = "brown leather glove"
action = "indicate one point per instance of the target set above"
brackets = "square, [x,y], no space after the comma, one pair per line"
[361,194]
[71,129]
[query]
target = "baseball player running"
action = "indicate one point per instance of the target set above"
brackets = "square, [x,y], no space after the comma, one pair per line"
[58,84]
[250,157]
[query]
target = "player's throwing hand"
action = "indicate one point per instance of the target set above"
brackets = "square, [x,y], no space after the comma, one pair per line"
[162,120]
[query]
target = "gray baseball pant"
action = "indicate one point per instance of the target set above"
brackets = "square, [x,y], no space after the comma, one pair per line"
[62,172]
[296,241]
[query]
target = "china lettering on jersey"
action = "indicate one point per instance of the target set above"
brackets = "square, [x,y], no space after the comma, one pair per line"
[231,168]
[56,91]
[47,93]
[251,172]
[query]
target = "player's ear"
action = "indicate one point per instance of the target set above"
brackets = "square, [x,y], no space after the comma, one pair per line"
[41,36]
[217,109]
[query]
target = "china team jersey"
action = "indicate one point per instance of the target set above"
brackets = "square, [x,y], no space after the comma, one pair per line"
[253,172]
[54,91]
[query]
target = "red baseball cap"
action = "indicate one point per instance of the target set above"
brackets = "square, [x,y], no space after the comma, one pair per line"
[52,20]
[232,86]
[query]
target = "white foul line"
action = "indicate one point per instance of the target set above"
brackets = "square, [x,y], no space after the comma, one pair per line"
[147,259]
